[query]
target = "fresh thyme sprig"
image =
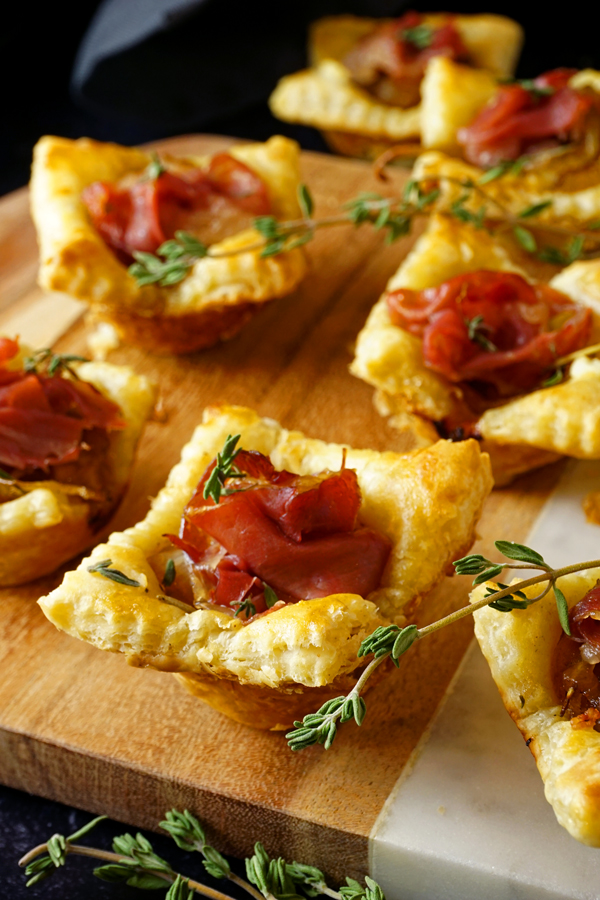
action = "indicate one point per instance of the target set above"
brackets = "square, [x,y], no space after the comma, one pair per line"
[171,263]
[391,641]
[175,258]
[224,469]
[50,363]
[134,862]
[245,607]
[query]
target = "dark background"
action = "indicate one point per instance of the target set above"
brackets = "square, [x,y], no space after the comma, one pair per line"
[213,73]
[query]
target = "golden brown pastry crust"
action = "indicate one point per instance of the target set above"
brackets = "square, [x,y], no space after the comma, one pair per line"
[521,434]
[518,647]
[427,503]
[451,96]
[354,122]
[44,528]
[218,296]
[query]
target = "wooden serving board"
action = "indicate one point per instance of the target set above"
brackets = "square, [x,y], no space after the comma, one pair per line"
[79,726]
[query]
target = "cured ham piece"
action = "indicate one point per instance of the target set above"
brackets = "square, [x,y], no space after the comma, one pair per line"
[523,119]
[492,327]
[42,418]
[143,215]
[398,52]
[297,534]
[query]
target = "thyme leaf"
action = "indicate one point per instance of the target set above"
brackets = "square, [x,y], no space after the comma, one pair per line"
[505,167]
[509,602]
[563,610]
[535,209]
[525,238]
[155,168]
[188,834]
[171,263]
[521,553]
[555,378]
[224,468]
[170,573]
[476,328]
[421,36]
[103,568]
[271,597]
[246,606]
[559,257]
[460,212]
[305,200]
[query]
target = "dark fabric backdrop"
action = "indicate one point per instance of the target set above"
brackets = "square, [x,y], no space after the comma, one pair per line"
[210,66]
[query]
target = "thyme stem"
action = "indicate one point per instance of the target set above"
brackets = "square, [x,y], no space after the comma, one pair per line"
[109,857]
[134,862]
[241,882]
[392,642]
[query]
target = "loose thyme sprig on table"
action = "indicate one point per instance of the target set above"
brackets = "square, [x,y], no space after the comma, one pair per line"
[391,641]
[175,258]
[134,862]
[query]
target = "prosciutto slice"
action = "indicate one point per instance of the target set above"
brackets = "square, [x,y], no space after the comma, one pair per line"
[42,418]
[142,216]
[492,327]
[298,534]
[520,119]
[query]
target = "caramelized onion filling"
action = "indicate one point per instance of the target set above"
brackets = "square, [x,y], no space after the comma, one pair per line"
[576,664]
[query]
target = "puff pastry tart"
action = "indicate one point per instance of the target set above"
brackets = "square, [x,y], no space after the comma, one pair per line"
[463,339]
[549,685]
[308,549]
[532,142]
[68,434]
[367,87]
[95,205]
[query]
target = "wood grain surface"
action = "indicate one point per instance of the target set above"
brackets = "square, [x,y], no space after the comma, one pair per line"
[78,725]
